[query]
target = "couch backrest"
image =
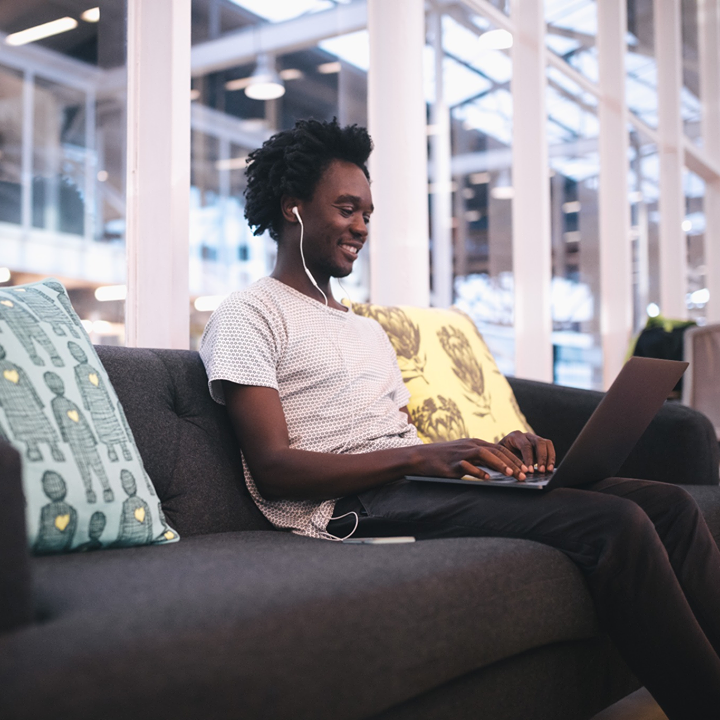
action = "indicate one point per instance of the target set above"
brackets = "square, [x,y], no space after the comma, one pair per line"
[185,439]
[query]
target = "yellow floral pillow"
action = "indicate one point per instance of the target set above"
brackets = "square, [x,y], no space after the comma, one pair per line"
[456,388]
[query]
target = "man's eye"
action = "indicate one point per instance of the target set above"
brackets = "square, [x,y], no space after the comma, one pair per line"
[346,212]
[366,218]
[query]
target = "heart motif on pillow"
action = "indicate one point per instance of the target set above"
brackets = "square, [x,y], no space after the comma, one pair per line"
[139,514]
[61,521]
[12,376]
[93,378]
[73,415]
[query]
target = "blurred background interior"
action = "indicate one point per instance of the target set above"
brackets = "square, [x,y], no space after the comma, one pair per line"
[63,101]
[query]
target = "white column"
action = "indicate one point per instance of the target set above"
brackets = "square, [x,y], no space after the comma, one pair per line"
[91,170]
[673,243]
[709,41]
[616,301]
[399,266]
[28,130]
[531,201]
[441,178]
[158,173]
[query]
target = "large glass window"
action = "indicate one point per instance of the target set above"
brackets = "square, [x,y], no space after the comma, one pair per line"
[571,34]
[573,132]
[326,79]
[477,71]
[62,154]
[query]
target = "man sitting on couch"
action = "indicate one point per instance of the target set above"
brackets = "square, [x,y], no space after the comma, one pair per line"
[317,402]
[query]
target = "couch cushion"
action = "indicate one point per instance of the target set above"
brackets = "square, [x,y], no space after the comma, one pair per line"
[456,388]
[83,476]
[708,499]
[271,625]
[184,438]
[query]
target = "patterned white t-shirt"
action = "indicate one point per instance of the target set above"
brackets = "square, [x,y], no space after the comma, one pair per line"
[337,375]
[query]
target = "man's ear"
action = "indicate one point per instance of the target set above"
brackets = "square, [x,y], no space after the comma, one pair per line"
[287,203]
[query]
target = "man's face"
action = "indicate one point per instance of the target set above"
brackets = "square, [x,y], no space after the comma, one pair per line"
[336,220]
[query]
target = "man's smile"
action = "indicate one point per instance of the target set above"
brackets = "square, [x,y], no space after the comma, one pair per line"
[351,249]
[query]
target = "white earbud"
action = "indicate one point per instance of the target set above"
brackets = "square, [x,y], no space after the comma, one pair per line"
[296,212]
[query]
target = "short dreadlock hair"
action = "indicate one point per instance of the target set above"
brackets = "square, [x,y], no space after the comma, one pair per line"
[292,162]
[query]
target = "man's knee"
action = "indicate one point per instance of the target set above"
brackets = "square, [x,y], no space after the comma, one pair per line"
[630,525]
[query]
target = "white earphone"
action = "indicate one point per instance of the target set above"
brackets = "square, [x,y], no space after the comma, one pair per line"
[296,212]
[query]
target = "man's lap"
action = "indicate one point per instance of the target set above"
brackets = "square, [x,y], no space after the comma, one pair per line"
[569,518]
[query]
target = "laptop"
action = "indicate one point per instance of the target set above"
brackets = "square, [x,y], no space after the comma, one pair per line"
[608,437]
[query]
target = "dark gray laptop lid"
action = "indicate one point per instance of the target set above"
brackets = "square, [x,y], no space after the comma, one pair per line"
[619,421]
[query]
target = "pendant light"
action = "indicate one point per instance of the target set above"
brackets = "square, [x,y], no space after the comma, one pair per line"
[265,83]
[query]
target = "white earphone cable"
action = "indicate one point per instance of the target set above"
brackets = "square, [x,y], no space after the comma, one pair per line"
[302,255]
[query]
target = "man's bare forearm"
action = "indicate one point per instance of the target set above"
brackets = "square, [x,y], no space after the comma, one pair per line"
[280,471]
[303,475]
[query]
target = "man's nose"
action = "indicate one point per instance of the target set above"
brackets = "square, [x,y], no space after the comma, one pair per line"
[359,227]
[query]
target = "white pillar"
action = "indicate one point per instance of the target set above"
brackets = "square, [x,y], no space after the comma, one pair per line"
[531,201]
[158,173]
[673,243]
[616,301]
[441,178]
[28,131]
[91,180]
[709,41]
[399,265]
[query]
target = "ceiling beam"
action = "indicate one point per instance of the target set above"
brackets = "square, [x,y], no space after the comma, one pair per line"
[241,48]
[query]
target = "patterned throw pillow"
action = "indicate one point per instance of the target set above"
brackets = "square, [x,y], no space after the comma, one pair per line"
[456,388]
[85,484]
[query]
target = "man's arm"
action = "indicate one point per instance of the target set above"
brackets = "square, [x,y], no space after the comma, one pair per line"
[279,471]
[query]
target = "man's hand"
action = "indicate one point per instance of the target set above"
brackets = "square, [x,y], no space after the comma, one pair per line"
[531,449]
[461,457]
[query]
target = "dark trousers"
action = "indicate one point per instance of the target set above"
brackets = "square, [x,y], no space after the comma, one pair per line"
[650,562]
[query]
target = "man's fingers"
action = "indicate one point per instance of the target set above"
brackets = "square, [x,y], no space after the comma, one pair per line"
[551,455]
[541,454]
[510,456]
[500,459]
[517,441]
[473,470]
[526,449]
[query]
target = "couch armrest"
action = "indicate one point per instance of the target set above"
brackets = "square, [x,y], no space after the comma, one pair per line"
[679,447]
[15,588]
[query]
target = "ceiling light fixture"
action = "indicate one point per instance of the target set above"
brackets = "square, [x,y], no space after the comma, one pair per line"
[235,163]
[91,15]
[265,83]
[55,27]
[208,303]
[329,67]
[495,40]
[106,293]
[237,84]
[292,74]
[502,192]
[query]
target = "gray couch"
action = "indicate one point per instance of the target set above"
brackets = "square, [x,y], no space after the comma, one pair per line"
[240,621]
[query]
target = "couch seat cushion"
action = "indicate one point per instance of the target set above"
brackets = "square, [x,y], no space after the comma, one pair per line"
[270,625]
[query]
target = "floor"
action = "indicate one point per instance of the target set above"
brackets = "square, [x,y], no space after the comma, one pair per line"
[638,706]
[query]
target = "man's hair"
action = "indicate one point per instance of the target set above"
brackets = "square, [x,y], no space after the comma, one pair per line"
[292,162]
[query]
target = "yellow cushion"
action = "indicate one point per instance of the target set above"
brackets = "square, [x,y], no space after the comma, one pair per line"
[456,388]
